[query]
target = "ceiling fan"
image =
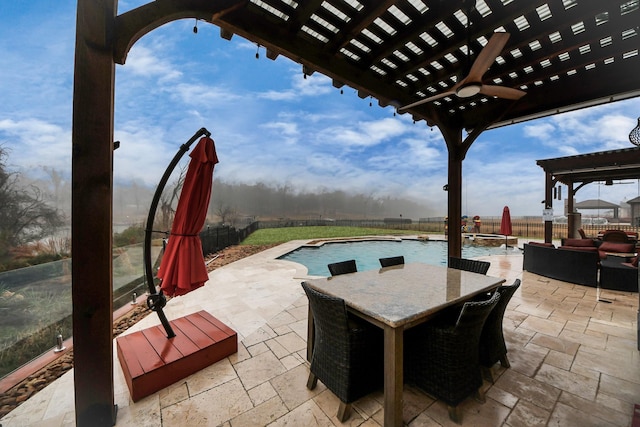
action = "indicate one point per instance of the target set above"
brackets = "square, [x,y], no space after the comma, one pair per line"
[472,84]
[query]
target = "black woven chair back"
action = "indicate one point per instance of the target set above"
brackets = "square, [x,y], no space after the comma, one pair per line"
[441,356]
[394,260]
[492,344]
[472,265]
[329,314]
[347,353]
[474,314]
[343,267]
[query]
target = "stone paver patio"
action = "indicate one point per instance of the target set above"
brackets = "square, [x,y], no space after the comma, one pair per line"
[574,361]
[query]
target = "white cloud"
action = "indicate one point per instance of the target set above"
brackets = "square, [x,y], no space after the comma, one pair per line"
[288,131]
[33,143]
[542,130]
[203,95]
[609,130]
[365,133]
[315,85]
[143,61]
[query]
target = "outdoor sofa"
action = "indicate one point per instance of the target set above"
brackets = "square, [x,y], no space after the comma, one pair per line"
[578,261]
[616,274]
[602,248]
[569,265]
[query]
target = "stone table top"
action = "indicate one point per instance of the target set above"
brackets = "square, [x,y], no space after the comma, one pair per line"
[404,294]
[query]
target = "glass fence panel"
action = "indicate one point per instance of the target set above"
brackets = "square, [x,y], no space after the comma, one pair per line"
[35,303]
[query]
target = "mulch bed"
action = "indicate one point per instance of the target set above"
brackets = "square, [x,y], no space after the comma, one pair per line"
[54,370]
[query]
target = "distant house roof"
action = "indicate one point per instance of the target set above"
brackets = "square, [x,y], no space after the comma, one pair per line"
[634,200]
[595,204]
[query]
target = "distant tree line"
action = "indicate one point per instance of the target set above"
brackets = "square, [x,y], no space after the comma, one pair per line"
[25,214]
[35,205]
[232,201]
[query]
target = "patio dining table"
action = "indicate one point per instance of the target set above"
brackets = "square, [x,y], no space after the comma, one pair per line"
[397,298]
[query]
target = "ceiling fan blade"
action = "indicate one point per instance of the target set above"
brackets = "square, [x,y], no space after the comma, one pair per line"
[502,92]
[429,99]
[487,55]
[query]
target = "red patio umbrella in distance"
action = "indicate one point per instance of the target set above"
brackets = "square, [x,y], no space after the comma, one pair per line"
[182,267]
[505,225]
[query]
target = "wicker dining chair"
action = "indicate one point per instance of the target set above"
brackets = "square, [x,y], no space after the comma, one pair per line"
[343,267]
[441,355]
[347,353]
[492,345]
[472,265]
[389,261]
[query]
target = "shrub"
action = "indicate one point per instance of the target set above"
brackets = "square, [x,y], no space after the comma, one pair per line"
[129,236]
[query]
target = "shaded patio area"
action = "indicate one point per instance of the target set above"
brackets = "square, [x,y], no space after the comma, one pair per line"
[563,56]
[573,360]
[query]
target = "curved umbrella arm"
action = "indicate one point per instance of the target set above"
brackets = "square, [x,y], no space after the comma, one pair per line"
[156,300]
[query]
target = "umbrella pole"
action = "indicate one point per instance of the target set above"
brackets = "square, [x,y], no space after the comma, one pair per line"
[156,300]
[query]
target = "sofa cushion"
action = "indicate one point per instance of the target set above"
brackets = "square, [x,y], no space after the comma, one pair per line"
[578,243]
[548,245]
[580,248]
[615,247]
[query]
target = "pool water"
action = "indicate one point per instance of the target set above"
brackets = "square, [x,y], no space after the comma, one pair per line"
[367,253]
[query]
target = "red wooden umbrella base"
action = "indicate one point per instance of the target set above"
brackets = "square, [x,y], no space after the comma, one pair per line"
[151,362]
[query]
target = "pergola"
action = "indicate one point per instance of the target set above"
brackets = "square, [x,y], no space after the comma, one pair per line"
[561,54]
[577,171]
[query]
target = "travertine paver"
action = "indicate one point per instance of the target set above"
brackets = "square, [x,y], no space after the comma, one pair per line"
[574,361]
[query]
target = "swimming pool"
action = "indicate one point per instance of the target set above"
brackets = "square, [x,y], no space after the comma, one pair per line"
[367,253]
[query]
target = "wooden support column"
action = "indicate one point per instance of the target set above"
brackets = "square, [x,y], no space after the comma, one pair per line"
[548,204]
[454,208]
[91,222]
[457,148]
[571,219]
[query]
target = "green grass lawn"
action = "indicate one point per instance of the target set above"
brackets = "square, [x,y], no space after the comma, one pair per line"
[269,236]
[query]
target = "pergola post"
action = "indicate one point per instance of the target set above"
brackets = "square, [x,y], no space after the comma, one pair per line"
[548,204]
[457,148]
[454,208]
[91,222]
[571,218]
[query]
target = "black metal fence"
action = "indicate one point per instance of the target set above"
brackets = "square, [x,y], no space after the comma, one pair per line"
[215,239]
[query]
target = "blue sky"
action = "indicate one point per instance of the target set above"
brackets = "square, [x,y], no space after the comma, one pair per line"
[270,124]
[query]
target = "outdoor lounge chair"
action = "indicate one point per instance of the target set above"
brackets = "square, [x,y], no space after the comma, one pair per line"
[473,265]
[343,267]
[492,345]
[347,353]
[442,355]
[618,236]
[394,260]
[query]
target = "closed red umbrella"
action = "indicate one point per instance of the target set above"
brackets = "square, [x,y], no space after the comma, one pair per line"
[182,267]
[505,224]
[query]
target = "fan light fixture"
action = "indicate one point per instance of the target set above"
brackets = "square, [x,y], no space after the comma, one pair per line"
[469,90]
[634,136]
